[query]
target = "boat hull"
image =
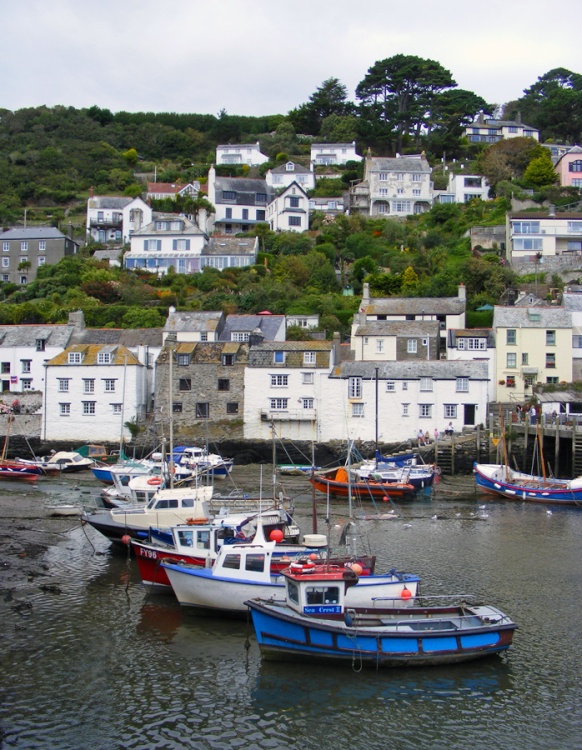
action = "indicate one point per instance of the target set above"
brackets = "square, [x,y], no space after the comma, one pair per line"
[525,488]
[362,489]
[286,637]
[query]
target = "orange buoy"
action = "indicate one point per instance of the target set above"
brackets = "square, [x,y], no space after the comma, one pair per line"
[386,499]
[276,535]
[126,539]
[405,594]
[357,568]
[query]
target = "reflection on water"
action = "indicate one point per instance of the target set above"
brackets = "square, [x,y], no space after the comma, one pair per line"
[105,665]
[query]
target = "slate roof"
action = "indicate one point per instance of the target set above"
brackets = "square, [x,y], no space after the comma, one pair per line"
[110,201]
[131,337]
[294,346]
[414,369]
[33,233]
[398,164]
[399,328]
[228,245]
[198,321]
[120,355]
[245,188]
[415,306]
[269,325]
[27,335]
[518,317]
[188,228]
[298,168]
[572,302]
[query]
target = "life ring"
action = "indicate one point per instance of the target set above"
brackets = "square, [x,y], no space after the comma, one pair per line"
[302,567]
[196,521]
[155,481]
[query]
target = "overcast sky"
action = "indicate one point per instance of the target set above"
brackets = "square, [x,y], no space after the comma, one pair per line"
[259,57]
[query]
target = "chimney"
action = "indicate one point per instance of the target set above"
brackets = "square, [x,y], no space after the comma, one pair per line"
[77,319]
[256,337]
[91,192]
[336,348]
[552,210]
[365,295]
[462,292]
[518,118]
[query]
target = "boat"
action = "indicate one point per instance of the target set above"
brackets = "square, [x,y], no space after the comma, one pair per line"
[199,459]
[16,469]
[39,465]
[64,510]
[199,545]
[502,480]
[243,571]
[166,508]
[100,453]
[337,482]
[68,461]
[313,621]
[297,470]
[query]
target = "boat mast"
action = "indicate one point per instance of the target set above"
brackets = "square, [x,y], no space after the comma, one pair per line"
[313,500]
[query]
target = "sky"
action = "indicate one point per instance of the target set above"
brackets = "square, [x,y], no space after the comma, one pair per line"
[261,57]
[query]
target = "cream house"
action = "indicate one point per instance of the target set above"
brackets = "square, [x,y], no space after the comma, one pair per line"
[531,235]
[533,345]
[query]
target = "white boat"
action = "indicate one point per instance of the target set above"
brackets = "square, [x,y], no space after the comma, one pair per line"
[65,510]
[243,571]
[69,461]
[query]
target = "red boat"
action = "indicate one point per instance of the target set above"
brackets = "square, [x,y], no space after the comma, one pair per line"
[335,482]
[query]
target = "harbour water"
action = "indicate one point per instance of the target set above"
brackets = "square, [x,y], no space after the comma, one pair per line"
[102,665]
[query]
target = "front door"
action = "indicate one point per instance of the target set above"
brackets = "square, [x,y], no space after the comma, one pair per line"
[469,420]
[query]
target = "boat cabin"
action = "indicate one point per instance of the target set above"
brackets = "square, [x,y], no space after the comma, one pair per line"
[247,562]
[318,589]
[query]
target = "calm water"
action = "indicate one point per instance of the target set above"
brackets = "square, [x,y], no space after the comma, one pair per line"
[104,666]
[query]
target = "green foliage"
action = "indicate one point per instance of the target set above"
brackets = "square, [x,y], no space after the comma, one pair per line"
[540,172]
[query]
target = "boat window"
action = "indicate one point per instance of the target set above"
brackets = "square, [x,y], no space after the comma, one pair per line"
[171,503]
[188,502]
[232,561]
[322,595]
[185,538]
[203,540]
[292,591]
[255,563]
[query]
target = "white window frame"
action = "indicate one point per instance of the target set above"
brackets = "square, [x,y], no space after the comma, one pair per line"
[117,408]
[279,404]
[426,384]
[109,385]
[26,384]
[309,358]
[279,381]
[63,385]
[279,357]
[308,402]
[355,387]
[425,411]
[89,408]
[104,358]
[42,245]
[26,365]
[358,410]
[390,386]
[88,385]
[64,410]
[412,346]
[450,411]
[462,385]
[308,378]
[379,346]
[75,358]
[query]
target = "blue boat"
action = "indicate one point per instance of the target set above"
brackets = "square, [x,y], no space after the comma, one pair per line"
[314,623]
[502,480]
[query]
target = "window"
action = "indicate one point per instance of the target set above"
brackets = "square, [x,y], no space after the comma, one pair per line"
[232,407]
[24,247]
[240,336]
[5,277]
[203,337]
[26,384]
[223,384]
[426,384]
[533,243]
[405,410]
[577,342]
[425,411]
[280,381]
[228,360]
[526,227]
[400,191]
[550,360]
[40,345]
[177,407]
[42,245]
[295,221]
[109,385]
[104,358]
[511,359]
[65,410]
[524,358]
[416,192]
[450,411]
[245,214]
[5,262]
[355,388]
[379,346]
[390,386]
[25,365]
[412,346]
[279,358]
[401,207]
[155,245]
[575,166]
[63,385]
[382,208]
[23,279]
[202,410]
[308,378]
[383,176]
[308,358]
[471,344]
[416,178]
[552,380]
[307,403]
[228,213]
[185,384]
[529,380]
[462,385]
[261,198]
[183,360]
[116,408]
[228,195]
[404,385]
[511,336]
[400,177]
[550,338]
[278,404]
[6,247]
[383,192]
[358,409]
[261,215]
[88,408]
[41,260]
[88,385]
[5,368]
[510,381]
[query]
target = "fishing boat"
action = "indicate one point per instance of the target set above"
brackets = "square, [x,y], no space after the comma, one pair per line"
[313,620]
[198,545]
[337,482]
[243,571]
[199,459]
[502,480]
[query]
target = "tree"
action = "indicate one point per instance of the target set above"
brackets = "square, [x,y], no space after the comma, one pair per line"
[328,99]
[508,159]
[540,172]
[450,113]
[399,93]
[339,128]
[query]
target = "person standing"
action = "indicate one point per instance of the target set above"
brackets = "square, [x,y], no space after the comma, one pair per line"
[533,414]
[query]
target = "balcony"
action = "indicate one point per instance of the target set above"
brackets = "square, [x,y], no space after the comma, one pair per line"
[289,415]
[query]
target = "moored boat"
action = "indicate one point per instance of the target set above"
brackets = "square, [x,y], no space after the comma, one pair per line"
[502,480]
[337,482]
[315,622]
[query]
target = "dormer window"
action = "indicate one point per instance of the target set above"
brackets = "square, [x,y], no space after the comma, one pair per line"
[104,358]
[228,195]
[75,358]
[279,358]
[40,345]
[290,167]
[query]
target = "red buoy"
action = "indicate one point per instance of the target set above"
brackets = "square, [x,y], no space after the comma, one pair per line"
[276,535]
[126,539]
[313,556]
[405,594]
[357,568]
[386,499]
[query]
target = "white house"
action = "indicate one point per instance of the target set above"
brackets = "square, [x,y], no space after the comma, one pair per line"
[229,252]
[332,206]
[282,176]
[194,326]
[289,211]
[161,190]
[389,340]
[573,303]
[114,219]
[476,344]
[90,392]
[333,153]
[463,188]
[531,236]
[240,202]
[397,186]
[306,322]
[169,240]
[489,130]
[284,386]
[246,153]
[406,397]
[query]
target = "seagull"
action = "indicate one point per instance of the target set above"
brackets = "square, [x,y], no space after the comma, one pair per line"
[457,515]
[434,518]
[549,512]
[482,507]
[407,526]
